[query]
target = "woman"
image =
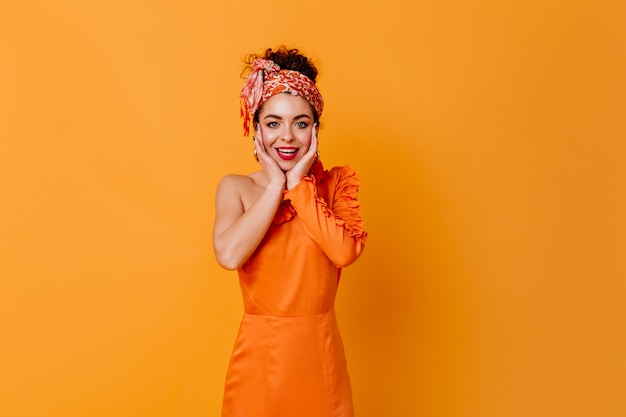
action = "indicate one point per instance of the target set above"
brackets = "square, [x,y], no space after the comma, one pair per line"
[288,229]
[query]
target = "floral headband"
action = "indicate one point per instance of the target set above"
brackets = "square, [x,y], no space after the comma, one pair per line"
[266,80]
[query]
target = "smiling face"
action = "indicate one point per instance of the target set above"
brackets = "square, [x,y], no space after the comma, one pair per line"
[286,121]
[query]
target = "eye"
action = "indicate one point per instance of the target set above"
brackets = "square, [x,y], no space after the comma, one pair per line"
[272,124]
[302,125]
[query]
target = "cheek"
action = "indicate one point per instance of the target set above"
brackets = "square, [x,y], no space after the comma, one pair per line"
[269,137]
[267,142]
[305,138]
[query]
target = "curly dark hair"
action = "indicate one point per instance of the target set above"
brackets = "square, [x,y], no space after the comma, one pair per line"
[286,58]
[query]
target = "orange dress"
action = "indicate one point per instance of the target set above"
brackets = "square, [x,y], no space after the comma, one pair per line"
[288,358]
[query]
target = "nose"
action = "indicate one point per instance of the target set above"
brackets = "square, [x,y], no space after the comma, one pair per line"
[287,134]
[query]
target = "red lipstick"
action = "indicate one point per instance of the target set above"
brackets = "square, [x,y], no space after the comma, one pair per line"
[287,154]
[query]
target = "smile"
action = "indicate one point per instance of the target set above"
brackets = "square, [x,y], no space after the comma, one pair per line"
[287,153]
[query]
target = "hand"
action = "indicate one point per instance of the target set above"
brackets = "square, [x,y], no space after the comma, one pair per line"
[275,175]
[304,165]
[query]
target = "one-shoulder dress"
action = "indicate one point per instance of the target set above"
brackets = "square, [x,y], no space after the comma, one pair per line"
[288,359]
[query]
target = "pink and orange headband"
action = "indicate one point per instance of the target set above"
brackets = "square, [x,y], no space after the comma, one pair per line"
[266,80]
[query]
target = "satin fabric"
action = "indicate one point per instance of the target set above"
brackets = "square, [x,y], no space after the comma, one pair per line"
[288,358]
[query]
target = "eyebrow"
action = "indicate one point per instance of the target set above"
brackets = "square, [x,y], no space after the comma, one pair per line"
[298,117]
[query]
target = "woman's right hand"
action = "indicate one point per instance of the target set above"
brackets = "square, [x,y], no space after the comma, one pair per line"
[275,175]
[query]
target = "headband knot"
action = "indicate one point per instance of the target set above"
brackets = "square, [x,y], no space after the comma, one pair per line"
[266,65]
[267,79]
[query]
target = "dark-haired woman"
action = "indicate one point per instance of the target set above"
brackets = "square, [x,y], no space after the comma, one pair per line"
[288,229]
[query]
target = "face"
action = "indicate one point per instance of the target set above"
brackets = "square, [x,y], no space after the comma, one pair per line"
[285,121]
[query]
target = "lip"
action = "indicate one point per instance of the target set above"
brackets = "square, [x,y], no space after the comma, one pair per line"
[286,153]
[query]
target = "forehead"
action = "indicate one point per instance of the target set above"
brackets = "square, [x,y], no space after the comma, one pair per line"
[286,105]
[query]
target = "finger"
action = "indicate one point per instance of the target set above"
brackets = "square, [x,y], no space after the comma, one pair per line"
[264,157]
[258,140]
[314,138]
[258,133]
[312,149]
[264,150]
[259,144]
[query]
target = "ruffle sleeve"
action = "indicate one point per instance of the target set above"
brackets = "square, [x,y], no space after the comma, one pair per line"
[334,223]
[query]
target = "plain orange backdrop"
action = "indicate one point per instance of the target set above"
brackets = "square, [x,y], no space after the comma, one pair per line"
[489,139]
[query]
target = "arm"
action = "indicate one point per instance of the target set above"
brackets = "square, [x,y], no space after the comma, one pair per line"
[237,233]
[338,230]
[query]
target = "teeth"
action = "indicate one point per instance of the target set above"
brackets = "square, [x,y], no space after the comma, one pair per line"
[287,151]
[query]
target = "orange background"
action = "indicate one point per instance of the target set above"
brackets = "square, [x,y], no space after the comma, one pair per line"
[489,139]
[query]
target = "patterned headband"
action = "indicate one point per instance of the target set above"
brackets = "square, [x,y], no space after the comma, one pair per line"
[266,80]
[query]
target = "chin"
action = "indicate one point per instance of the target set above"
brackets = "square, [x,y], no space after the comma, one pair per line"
[286,165]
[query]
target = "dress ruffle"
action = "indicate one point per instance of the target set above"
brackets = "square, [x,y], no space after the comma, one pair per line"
[285,212]
[345,199]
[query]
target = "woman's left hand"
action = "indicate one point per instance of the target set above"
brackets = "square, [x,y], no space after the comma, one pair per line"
[304,165]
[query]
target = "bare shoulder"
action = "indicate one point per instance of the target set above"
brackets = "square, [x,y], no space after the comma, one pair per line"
[234,180]
[242,188]
[240,182]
